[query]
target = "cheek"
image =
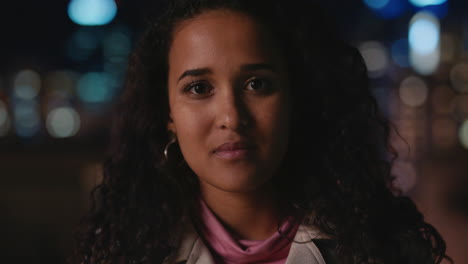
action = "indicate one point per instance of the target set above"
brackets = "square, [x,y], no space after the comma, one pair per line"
[192,132]
[273,122]
[274,119]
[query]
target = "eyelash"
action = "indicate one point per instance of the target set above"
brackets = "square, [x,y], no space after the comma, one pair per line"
[266,82]
[192,85]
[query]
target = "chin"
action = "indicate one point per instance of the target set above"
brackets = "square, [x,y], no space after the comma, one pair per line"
[240,183]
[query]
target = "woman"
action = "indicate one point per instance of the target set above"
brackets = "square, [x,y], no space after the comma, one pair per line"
[247,134]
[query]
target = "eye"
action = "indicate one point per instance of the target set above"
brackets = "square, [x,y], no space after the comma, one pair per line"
[258,84]
[198,88]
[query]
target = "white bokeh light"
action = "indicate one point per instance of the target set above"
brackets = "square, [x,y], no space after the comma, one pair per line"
[424,42]
[413,91]
[424,35]
[375,57]
[63,122]
[463,134]
[27,84]
[459,77]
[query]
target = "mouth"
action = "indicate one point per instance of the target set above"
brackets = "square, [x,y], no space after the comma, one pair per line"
[234,150]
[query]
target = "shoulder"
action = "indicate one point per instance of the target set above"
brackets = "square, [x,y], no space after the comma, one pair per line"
[190,249]
[304,248]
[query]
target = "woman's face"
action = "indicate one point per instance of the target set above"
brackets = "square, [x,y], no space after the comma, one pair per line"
[227,85]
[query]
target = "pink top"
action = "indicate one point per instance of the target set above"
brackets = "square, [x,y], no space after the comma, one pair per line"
[228,250]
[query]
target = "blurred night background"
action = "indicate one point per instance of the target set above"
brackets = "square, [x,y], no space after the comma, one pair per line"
[61,68]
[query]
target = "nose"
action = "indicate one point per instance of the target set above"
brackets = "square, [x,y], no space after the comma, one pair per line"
[232,112]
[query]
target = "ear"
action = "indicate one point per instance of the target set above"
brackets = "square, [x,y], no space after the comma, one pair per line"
[170,125]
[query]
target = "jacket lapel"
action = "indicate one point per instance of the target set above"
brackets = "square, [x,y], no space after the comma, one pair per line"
[304,251]
[192,250]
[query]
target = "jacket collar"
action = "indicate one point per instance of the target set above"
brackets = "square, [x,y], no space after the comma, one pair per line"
[192,249]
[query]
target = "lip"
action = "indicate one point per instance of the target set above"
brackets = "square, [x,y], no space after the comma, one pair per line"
[234,150]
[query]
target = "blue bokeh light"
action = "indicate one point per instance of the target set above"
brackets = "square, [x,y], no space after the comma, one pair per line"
[27,118]
[400,52]
[387,9]
[92,12]
[82,44]
[422,3]
[94,87]
[424,38]
[424,35]
[116,44]
[440,10]
[376,4]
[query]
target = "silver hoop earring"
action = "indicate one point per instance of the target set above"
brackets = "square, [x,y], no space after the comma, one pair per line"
[173,140]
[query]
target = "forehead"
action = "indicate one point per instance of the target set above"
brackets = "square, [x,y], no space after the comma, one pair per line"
[219,34]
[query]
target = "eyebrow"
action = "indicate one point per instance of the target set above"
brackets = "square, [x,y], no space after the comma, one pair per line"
[195,72]
[245,67]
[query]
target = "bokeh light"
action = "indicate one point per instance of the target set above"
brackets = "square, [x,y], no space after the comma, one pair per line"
[424,34]
[4,119]
[400,52]
[425,64]
[376,4]
[439,11]
[463,134]
[82,44]
[92,12]
[422,3]
[424,42]
[387,9]
[116,48]
[27,118]
[117,45]
[375,57]
[413,91]
[94,87]
[27,84]
[63,122]
[459,77]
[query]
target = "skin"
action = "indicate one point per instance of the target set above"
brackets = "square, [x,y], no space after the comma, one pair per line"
[229,101]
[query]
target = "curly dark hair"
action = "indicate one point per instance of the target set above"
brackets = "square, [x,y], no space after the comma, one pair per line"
[138,209]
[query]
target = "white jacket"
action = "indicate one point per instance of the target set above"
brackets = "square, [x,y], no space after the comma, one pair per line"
[192,250]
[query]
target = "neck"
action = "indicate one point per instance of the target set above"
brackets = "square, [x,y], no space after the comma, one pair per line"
[253,215]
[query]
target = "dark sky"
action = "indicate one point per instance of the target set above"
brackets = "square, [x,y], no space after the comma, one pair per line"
[33,31]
